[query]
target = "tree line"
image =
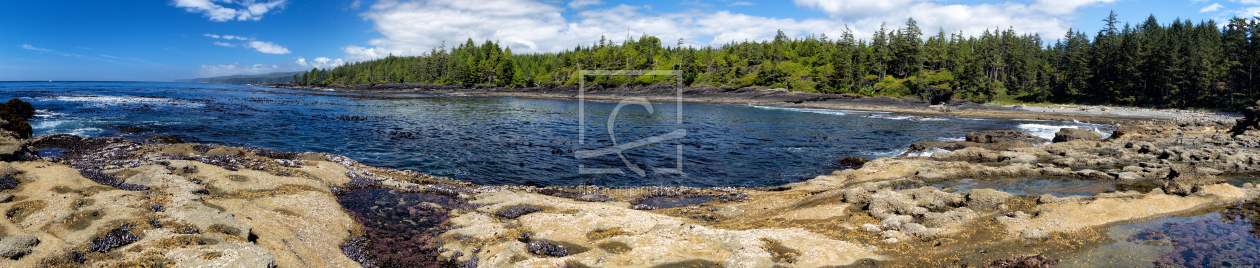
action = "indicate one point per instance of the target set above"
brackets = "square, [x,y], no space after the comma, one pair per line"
[1180,64]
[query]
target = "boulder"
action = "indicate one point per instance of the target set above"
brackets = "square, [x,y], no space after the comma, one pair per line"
[981,199]
[1187,179]
[14,114]
[1001,136]
[853,161]
[1250,120]
[12,150]
[1071,134]
[14,247]
[165,139]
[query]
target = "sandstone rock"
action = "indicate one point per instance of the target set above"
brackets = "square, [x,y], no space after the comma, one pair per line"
[1071,134]
[1034,234]
[982,199]
[886,203]
[5,198]
[948,219]
[934,199]
[1001,136]
[16,150]
[14,247]
[1186,179]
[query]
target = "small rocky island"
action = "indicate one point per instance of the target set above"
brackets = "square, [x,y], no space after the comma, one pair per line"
[110,202]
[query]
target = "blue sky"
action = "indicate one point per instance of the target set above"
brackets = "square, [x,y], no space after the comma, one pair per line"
[163,40]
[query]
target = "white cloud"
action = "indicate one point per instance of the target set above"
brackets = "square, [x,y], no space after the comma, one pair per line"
[1065,7]
[1246,2]
[212,35]
[320,62]
[579,4]
[217,43]
[1211,8]
[236,69]
[740,3]
[268,47]
[230,37]
[356,4]
[416,27]
[240,10]
[30,47]
[854,10]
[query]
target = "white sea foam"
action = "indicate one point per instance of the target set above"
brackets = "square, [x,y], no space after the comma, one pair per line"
[949,139]
[818,111]
[927,153]
[98,101]
[41,113]
[1047,131]
[1040,130]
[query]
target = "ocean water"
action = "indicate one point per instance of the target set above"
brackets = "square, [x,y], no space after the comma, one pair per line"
[504,140]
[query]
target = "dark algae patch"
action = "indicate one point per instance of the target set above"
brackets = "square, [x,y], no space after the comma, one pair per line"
[1230,240]
[399,228]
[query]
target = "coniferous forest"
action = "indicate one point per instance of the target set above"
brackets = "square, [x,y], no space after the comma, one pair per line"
[1182,64]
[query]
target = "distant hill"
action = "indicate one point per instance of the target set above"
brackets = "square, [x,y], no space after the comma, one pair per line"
[245,79]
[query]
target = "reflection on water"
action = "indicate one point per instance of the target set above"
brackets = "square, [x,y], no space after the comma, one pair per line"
[1217,237]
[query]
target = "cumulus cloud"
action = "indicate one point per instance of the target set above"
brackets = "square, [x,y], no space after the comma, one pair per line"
[320,62]
[268,47]
[240,10]
[740,3]
[212,35]
[1065,7]
[579,4]
[236,69]
[416,27]
[1211,8]
[217,43]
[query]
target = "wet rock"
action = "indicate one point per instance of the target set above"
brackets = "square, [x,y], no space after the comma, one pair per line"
[853,161]
[516,212]
[12,150]
[14,247]
[1071,134]
[1003,136]
[547,249]
[13,118]
[982,199]
[1023,262]
[117,237]
[164,139]
[1187,179]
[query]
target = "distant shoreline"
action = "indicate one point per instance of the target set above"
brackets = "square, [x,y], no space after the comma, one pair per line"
[783,98]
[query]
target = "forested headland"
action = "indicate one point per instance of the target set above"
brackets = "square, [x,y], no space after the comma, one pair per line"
[271,78]
[1182,64]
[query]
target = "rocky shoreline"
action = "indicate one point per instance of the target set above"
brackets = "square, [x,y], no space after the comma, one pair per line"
[110,202]
[784,98]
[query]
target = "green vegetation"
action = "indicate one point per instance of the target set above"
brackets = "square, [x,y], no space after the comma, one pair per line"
[271,78]
[1182,64]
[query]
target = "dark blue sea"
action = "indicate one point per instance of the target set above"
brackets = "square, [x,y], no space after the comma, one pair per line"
[504,140]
